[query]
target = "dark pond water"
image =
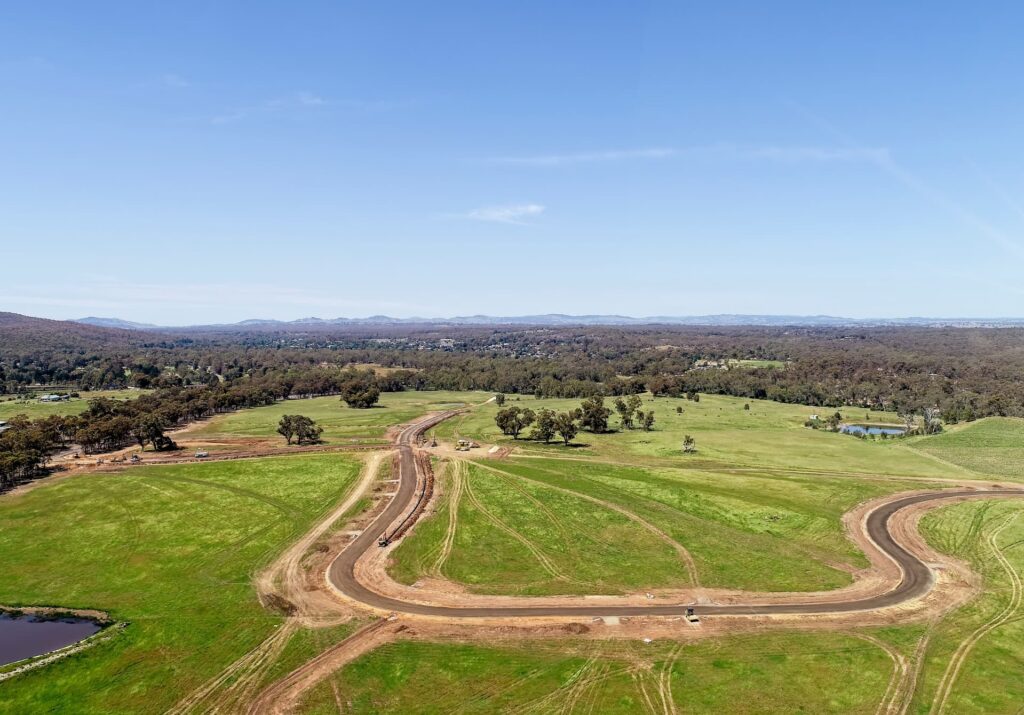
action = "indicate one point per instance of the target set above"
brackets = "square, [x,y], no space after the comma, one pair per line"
[26,636]
[871,429]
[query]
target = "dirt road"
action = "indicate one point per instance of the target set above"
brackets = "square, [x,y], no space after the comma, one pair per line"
[916,577]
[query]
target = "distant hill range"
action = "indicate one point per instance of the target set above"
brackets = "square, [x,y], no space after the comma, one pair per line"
[559,319]
[116,323]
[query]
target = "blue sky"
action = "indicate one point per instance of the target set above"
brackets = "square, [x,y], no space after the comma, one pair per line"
[214,161]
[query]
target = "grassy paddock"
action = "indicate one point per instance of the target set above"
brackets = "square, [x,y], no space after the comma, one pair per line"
[170,549]
[527,526]
[787,672]
[340,422]
[35,409]
[769,434]
[992,446]
[989,680]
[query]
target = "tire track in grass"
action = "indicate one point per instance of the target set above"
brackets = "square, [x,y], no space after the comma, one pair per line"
[967,645]
[454,498]
[639,678]
[888,704]
[730,530]
[131,522]
[249,678]
[546,563]
[284,507]
[909,686]
[487,695]
[544,703]
[205,694]
[571,536]
[284,695]
[682,551]
[665,681]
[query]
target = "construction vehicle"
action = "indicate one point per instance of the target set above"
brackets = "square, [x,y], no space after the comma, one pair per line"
[464,445]
[136,458]
[691,617]
[383,540]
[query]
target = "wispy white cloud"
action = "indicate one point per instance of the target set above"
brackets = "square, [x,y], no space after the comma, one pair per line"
[506,213]
[780,153]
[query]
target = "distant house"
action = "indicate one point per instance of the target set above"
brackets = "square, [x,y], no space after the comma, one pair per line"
[446,342]
[53,398]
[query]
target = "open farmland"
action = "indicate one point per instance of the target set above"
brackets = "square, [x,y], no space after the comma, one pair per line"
[992,447]
[341,423]
[623,512]
[769,435]
[777,673]
[34,409]
[171,550]
[757,507]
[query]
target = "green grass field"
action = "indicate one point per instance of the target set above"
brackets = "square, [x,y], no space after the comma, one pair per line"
[758,507]
[556,526]
[35,409]
[173,549]
[991,447]
[768,435]
[806,673]
[990,536]
[341,423]
[170,549]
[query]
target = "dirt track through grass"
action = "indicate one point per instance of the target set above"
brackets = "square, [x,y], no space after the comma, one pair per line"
[963,651]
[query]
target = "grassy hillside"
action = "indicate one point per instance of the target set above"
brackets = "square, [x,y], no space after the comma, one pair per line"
[992,446]
[768,435]
[170,549]
[990,536]
[758,506]
[340,422]
[553,526]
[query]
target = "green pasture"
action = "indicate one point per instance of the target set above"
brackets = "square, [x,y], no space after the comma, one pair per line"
[33,408]
[558,526]
[789,672]
[170,549]
[341,423]
[991,447]
[989,679]
[768,435]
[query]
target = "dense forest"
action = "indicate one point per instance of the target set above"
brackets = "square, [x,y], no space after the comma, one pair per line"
[963,373]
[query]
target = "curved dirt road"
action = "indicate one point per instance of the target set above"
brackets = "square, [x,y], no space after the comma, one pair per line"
[916,577]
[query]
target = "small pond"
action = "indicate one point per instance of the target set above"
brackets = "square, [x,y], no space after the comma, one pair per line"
[26,636]
[872,429]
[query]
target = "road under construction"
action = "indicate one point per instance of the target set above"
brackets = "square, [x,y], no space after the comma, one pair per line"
[414,492]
